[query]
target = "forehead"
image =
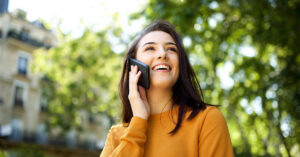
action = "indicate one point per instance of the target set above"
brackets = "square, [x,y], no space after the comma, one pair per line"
[157,37]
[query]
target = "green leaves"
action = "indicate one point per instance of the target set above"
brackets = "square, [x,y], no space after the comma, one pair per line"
[84,75]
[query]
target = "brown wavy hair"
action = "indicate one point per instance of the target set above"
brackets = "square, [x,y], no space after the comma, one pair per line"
[186,91]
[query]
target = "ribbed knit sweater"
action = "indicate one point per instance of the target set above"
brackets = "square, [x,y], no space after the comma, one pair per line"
[206,135]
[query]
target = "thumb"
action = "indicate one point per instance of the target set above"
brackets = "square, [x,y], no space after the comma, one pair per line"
[143,93]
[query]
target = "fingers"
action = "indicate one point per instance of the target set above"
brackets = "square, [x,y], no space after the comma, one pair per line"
[133,80]
[133,74]
[137,95]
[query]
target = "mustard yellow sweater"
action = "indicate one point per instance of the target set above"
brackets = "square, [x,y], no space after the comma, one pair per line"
[206,135]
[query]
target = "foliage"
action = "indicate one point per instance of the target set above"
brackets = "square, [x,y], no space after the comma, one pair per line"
[245,54]
[3,153]
[79,75]
[24,151]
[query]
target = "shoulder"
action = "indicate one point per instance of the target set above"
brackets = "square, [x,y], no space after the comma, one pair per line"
[211,115]
[214,137]
[213,118]
[209,111]
[213,112]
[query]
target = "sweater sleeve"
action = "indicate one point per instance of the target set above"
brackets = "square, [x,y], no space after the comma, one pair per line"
[214,137]
[131,142]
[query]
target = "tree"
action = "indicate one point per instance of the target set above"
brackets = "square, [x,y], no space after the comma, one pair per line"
[80,74]
[245,54]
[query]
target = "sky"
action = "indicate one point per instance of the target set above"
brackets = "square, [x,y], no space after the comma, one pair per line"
[72,16]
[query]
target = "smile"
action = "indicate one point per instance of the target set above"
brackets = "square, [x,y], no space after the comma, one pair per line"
[162,67]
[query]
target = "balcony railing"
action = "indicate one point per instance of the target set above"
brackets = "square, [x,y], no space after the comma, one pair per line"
[22,72]
[24,37]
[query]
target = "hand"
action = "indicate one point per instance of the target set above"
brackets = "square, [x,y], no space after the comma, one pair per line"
[137,95]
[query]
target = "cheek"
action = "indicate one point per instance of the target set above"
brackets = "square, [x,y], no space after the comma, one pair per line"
[176,63]
[144,58]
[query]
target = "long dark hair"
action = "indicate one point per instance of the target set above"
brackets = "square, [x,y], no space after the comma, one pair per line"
[186,91]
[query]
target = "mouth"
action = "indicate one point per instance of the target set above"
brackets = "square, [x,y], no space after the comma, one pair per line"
[162,67]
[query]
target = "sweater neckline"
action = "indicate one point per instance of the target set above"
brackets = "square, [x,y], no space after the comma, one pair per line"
[173,111]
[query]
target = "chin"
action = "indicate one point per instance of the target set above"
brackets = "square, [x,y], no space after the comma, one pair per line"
[162,84]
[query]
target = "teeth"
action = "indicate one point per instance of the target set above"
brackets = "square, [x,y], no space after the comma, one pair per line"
[161,67]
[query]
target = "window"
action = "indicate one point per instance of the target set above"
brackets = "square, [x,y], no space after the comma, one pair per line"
[41,134]
[22,65]
[20,93]
[17,129]
[18,96]
[43,104]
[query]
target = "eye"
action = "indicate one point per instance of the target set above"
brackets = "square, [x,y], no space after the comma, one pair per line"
[150,48]
[172,49]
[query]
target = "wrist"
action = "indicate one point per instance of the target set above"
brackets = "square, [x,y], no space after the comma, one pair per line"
[145,117]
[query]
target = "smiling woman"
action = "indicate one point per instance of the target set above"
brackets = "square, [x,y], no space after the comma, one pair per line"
[156,121]
[159,51]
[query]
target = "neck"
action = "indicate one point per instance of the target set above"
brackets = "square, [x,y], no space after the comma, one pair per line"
[159,99]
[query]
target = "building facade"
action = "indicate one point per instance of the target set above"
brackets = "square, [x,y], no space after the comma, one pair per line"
[19,87]
[23,110]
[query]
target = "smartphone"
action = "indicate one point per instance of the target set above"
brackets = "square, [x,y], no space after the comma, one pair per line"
[144,79]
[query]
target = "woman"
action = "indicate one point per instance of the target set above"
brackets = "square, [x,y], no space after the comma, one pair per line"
[170,119]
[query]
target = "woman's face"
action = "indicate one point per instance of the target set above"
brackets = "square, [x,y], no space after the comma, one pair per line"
[158,50]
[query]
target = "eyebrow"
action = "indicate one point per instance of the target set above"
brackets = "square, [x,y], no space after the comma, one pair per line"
[168,43]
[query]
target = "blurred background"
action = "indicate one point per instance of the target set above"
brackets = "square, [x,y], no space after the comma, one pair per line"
[60,63]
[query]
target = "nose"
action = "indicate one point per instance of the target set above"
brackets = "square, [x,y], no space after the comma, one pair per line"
[162,54]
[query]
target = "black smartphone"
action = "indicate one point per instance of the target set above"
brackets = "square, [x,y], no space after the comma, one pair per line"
[144,79]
